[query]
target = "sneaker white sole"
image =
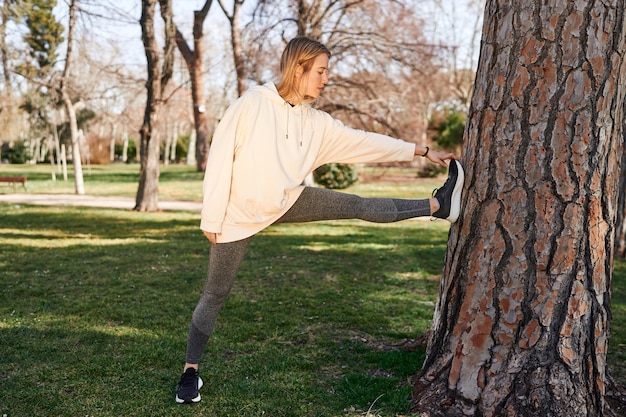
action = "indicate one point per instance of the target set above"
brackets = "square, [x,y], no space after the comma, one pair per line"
[455,203]
[193,400]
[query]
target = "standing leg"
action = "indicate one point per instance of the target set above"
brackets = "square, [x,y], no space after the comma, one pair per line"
[224,261]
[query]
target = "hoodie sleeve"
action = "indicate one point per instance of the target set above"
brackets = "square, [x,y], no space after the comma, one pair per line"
[347,145]
[219,169]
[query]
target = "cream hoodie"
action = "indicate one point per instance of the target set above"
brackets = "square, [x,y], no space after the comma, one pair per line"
[262,150]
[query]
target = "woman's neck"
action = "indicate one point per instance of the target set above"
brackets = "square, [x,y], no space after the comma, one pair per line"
[294,101]
[292,98]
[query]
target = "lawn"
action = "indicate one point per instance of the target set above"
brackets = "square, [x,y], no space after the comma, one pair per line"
[323,320]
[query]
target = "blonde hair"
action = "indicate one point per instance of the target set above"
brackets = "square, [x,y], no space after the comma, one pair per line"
[299,51]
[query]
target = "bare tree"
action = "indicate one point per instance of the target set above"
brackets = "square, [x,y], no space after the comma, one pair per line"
[160,70]
[522,324]
[195,64]
[5,15]
[460,26]
[236,43]
[381,62]
[70,110]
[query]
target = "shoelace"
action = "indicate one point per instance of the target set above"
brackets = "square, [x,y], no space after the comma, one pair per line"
[434,195]
[442,187]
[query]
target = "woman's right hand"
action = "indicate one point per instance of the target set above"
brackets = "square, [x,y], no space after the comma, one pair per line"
[439,158]
[211,236]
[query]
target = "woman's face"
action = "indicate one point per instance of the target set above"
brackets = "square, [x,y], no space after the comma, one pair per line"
[313,81]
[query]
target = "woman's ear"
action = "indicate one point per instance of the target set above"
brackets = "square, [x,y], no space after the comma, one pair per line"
[299,71]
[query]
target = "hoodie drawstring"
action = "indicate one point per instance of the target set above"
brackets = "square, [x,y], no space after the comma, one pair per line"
[289,106]
[301,128]
[288,111]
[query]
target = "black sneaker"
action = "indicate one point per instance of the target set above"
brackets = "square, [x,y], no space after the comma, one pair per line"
[449,195]
[188,387]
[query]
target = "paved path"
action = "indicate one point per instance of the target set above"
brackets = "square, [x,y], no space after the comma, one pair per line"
[93,201]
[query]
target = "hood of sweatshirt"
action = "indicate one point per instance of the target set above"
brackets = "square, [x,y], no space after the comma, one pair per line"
[270,91]
[300,112]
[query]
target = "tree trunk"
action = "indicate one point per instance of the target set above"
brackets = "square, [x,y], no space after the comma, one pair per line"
[125,147]
[522,324]
[238,60]
[4,55]
[237,44]
[310,18]
[195,64]
[148,192]
[191,149]
[112,142]
[79,185]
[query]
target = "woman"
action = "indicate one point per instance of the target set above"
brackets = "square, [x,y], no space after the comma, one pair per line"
[268,141]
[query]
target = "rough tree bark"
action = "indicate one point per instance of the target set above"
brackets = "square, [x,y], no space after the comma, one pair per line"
[194,60]
[158,77]
[522,324]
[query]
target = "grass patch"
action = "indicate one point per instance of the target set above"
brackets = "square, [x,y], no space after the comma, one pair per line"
[176,182]
[95,304]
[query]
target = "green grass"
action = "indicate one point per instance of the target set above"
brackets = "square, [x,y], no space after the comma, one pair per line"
[176,182]
[95,305]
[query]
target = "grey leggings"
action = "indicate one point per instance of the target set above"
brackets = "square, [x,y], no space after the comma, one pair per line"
[313,204]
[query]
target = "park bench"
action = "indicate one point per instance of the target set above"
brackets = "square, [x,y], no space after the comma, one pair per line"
[13,181]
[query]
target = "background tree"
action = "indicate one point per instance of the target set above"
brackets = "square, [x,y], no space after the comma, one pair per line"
[194,60]
[236,43]
[160,69]
[10,119]
[42,37]
[522,324]
[70,110]
[453,25]
[6,14]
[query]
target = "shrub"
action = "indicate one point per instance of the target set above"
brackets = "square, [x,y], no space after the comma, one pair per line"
[182,145]
[16,154]
[131,152]
[335,176]
[449,129]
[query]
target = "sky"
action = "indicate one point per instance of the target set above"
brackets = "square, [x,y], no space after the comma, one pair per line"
[452,21]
